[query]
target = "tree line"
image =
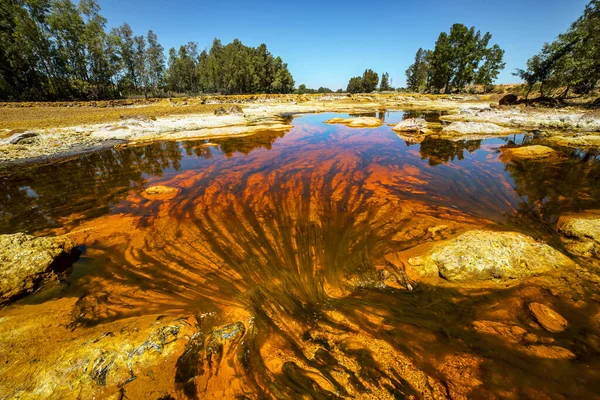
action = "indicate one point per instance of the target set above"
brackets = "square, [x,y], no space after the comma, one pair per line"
[56,49]
[368,82]
[570,65]
[460,58]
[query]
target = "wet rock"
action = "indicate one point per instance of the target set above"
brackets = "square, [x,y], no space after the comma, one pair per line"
[221,111]
[20,138]
[26,260]
[410,125]
[100,359]
[160,190]
[235,110]
[416,261]
[484,255]
[551,352]
[535,151]
[360,122]
[469,128]
[581,233]
[549,319]
[204,353]
[509,100]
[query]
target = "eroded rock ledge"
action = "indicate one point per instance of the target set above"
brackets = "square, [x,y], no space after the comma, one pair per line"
[485,255]
[26,260]
[581,233]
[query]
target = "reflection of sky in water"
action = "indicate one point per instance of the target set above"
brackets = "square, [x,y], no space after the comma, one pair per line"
[288,230]
[467,174]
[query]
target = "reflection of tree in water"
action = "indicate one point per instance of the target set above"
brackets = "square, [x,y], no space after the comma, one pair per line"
[551,187]
[37,198]
[429,116]
[246,144]
[442,151]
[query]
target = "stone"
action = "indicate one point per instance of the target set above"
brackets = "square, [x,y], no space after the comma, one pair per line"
[410,125]
[235,110]
[360,122]
[581,233]
[469,128]
[485,255]
[528,152]
[549,319]
[221,111]
[27,260]
[415,261]
[160,190]
[550,352]
[18,138]
[508,100]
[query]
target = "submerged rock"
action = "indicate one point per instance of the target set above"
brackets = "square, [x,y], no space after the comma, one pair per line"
[581,233]
[469,128]
[360,122]
[486,255]
[160,190]
[26,260]
[535,151]
[410,125]
[549,319]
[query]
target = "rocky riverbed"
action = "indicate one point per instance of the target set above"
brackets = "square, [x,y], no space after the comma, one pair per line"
[471,117]
[357,254]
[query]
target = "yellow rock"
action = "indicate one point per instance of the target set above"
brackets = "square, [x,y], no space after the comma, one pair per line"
[534,151]
[360,122]
[160,190]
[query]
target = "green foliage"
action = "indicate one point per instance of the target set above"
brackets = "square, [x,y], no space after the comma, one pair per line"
[59,49]
[367,83]
[385,82]
[355,85]
[417,73]
[370,80]
[460,58]
[571,62]
[302,89]
[236,68]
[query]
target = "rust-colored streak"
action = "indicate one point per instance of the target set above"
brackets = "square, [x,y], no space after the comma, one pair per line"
[276,244]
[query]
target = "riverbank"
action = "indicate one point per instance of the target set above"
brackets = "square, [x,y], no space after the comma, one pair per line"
[31,133]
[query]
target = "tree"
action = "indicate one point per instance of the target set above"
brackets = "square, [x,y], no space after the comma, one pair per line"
[141,70]
[301,89]
[124,44]
[572,62]
[355,85]
[370,80]
[385,82]
[60,49]
[155,60]
[488,72]
[459,58]
[417,73]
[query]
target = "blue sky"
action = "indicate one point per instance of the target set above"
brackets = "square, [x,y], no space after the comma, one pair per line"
[327,42]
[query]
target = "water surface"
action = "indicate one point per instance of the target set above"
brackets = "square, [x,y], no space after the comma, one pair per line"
[286,232]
